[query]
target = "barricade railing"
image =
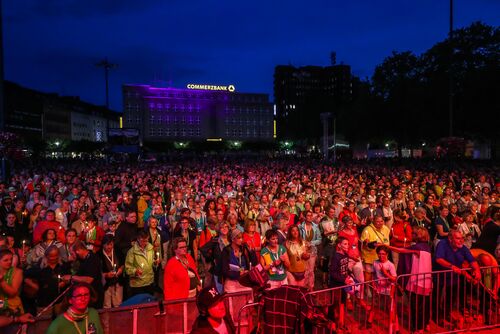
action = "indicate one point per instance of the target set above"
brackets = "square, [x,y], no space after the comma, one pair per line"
[439,302]
[177,318]
[445,301]
[359,306]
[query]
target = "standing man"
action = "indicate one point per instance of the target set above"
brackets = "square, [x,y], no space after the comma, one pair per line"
[126,233]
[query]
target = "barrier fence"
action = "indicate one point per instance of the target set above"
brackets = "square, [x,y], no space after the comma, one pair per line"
[178,317]
[436,302]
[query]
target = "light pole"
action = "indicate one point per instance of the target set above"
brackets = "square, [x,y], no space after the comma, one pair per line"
[2,113]
[451,90]
[107,66]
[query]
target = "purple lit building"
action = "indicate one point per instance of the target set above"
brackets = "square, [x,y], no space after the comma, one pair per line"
[197,113]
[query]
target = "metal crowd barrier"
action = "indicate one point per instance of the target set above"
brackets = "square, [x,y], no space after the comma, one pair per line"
[360,307]
[435,302]
[178,317]
[446,302]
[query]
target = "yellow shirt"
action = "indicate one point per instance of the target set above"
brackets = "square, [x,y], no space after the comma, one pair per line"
[370,234]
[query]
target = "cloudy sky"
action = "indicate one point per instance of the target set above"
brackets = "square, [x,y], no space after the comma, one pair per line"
[52,45]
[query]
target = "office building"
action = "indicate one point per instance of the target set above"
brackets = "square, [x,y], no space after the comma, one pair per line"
[197,113]
[302,93]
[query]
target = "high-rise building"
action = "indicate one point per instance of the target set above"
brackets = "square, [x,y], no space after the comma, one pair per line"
[197,113]
[302,93]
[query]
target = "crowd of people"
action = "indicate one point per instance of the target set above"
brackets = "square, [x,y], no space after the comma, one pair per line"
[170,230]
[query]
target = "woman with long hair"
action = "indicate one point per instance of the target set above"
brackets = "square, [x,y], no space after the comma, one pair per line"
[11,279]
[48,239]
[296,249]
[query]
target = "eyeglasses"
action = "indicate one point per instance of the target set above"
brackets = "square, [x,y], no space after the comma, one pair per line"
[82,295]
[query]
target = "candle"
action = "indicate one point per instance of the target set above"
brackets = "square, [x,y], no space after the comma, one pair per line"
[24,242]
[142,265]
[114,267]
[59,277]
[157,255]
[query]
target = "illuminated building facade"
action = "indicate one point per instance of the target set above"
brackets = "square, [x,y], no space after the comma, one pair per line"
[197,113]
[302,93]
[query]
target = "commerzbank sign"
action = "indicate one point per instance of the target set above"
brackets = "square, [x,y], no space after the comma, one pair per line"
[229,88]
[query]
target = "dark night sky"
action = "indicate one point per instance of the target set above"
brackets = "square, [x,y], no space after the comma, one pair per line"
[51,45]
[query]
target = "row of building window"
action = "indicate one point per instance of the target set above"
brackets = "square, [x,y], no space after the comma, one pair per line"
[247,133]
[243,122]
[191,132]
[205,96]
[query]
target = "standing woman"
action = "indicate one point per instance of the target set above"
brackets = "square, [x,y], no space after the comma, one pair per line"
[351,234]
[181,278]
[275,259]
[469,229]
[183,230]
[199,217]
[296,249]
[157,238]
[212,256]
[251,238]
[236,260]
[48,239]
[10,284]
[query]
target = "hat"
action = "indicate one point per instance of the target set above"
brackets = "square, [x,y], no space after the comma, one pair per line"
[11,189]
[235,232]
[207,297]
[371,200]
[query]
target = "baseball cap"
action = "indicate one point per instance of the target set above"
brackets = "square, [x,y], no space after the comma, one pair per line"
[208,297]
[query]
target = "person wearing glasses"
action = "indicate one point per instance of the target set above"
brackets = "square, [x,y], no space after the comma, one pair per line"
[78,318]
[181,278]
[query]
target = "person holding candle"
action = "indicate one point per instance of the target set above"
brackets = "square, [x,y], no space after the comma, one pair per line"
[158,238]
[401,233]
[112,269]
[45,280]
[92,234]
[139,266]
[181,276]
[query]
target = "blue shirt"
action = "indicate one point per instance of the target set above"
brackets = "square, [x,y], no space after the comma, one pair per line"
[456,258]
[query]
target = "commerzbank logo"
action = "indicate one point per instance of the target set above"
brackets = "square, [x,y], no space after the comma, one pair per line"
[229,88]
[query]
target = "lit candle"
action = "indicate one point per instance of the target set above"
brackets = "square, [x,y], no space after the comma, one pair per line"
[404,242]
[157,255]
[142,265]
[114,267]
[24,243]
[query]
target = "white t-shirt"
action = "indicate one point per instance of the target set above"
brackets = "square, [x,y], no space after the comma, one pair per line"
[222,328]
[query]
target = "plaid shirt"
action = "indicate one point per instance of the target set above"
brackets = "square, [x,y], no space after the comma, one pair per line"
[286,309]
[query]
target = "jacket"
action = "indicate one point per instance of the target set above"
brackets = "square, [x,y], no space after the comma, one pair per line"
[176,278]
